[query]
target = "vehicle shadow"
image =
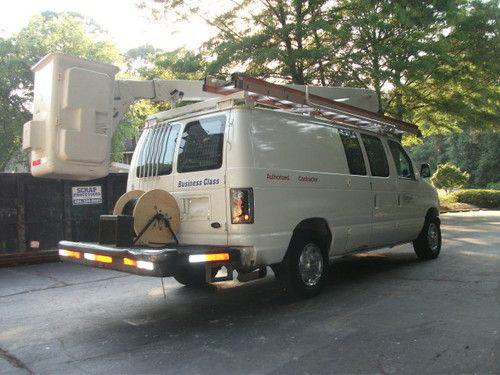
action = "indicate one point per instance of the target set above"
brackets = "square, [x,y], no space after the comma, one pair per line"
[221,309]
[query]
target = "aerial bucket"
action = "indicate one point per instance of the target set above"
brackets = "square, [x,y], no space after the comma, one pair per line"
[70,134]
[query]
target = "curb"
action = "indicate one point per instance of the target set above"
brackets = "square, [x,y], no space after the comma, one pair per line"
[461,210]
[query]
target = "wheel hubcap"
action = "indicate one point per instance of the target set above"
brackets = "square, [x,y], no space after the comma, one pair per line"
[433,236]
[311,264]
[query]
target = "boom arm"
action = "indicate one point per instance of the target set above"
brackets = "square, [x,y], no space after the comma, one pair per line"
[128,92]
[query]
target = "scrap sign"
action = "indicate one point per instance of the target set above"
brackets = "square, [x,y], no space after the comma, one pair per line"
[86,195]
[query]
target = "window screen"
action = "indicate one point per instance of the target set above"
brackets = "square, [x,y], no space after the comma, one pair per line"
[404,167]
[201,145]
[156,150]
[376,155]
[353,152]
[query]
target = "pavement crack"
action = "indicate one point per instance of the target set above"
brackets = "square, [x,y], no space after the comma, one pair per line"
[62,286]
[14,361]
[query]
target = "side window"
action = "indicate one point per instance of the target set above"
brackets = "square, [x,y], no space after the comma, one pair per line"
[376,155]
[404,167]
[353,152]
[201,145]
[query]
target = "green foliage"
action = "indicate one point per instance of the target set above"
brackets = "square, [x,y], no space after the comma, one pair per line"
[493,185]
[449,176]
[476,152]
[478,197]
[50,32]
[432,63]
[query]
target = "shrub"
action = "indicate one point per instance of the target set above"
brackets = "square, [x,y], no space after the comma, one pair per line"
[478,197]
[493,185]
[449,176]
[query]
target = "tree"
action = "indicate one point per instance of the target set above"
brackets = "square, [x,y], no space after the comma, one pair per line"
[449,176]
[462,91]
[433,63]
[391,45]
[270,38]
[50,32]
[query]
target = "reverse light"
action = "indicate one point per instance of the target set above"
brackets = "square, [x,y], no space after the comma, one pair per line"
[218,257]
[70,254]
[145,265]
[98,258]
[241,206]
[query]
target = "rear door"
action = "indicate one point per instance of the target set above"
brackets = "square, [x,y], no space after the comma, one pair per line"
[199,180]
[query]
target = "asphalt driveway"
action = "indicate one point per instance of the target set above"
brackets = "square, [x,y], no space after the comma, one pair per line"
[382,313]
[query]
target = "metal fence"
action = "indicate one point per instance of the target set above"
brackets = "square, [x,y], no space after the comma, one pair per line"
[36,213]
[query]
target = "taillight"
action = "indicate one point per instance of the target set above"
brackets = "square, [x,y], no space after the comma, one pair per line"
[242,206]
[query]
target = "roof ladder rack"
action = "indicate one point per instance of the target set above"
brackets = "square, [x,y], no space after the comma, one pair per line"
[288,98]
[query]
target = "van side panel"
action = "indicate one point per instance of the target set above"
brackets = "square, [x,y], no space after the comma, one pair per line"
[298,170]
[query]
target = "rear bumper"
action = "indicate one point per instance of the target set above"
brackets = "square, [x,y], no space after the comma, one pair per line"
[159,262]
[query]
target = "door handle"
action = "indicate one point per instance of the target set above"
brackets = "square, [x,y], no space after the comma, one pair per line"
[375,200]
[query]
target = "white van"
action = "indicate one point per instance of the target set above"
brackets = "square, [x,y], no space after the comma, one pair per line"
[258,187]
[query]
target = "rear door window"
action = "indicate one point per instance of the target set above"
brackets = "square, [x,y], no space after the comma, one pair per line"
[156,151]
[353,152]
[404,168]
[376,155]
[201,145]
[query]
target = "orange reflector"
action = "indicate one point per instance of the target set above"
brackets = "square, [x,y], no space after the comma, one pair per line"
[218,257]
[70,254]
[129,262]
[103,259]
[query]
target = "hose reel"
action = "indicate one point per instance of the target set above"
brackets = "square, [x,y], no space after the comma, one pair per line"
[156,216]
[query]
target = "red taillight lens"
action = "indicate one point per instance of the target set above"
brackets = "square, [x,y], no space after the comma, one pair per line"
[242,206]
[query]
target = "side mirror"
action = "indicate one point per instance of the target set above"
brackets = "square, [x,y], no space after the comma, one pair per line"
[425,171]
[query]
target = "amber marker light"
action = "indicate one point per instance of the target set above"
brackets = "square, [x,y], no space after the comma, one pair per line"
[218,257]
[98,258]
[129,262]
[70,254]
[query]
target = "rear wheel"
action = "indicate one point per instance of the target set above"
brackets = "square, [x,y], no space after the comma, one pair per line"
[428,244]
[304,269]
[192,276]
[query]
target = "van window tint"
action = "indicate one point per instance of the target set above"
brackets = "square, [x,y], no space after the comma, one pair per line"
[353,152]
[376,155]
[156,150]
[404,168]
[201,145]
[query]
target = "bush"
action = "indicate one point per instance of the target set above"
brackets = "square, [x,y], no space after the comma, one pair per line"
[478,197]
[493,185]
[449,176]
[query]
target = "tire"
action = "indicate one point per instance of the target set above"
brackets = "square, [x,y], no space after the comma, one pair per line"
[193,276]
[304,270]
[428,243]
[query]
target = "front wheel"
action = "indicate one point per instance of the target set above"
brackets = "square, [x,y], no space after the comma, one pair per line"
[305,267]
[428,244]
